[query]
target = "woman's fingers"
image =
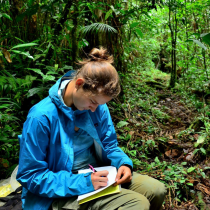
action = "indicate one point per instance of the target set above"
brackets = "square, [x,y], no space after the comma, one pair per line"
[123,175]
[99,179]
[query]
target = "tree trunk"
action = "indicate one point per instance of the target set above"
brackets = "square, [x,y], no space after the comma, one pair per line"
[74,35]
[173,28]
[58,27]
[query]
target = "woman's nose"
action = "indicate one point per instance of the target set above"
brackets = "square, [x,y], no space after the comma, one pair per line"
[93,107]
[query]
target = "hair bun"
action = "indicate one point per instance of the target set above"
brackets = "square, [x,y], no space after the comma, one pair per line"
[100,55]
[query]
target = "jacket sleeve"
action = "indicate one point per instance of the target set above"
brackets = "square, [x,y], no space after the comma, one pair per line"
[33,172]
[109,141]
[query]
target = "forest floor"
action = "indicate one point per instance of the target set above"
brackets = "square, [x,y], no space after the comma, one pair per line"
[163,128]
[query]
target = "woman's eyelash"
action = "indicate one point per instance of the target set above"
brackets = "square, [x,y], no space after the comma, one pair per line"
[93,102]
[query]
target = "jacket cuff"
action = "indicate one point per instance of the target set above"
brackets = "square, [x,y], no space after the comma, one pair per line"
[129,166]
[88,179]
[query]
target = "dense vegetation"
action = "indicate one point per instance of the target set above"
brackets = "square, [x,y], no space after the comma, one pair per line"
[161,51]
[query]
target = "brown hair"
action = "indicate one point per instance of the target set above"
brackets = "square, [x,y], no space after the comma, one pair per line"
[99,74]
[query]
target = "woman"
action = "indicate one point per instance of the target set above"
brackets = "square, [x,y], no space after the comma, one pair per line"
[70,129]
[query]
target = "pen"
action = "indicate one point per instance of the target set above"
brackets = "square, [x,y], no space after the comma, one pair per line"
[91,167]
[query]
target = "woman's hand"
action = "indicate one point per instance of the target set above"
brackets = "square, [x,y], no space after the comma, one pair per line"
[99,179]
[123,175]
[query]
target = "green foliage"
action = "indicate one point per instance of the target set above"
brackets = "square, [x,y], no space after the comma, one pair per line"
[41,41]
[175,176]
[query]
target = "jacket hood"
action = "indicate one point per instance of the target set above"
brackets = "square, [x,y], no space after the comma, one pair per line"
[53,94]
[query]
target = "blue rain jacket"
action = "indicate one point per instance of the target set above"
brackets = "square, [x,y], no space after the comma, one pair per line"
[46,150]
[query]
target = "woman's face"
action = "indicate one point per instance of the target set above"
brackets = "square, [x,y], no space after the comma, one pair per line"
[85,100]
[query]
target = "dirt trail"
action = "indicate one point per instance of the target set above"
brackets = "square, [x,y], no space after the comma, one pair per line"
[179,144]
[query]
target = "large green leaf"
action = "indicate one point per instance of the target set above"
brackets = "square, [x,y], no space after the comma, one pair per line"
[5,15]
[108,14]
[206,38]
[48,77]
[23,53]
[138,31]
[200,44]
[24,45]
[38,71]
[34,91]
[133,25]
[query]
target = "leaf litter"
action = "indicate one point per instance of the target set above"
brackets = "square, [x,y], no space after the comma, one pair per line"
[177,147]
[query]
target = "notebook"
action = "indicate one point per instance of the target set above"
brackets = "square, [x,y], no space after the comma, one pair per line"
[109,189]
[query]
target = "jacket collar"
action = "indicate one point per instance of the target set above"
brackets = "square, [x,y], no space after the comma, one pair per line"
[82,118]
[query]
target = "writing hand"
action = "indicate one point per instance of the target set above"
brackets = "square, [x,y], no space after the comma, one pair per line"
[125,173]
[99,179]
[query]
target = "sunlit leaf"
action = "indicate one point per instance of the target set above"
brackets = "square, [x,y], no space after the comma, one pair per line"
[38,71]
[51,72]
[201,139]
[6,16]
[203,150]
[48,77]
[23,53]
[56,67]
[157,160]
[34,91]
[200,44]
[24,45]
[189,170]
[108,14]
[206,38]
[121,124]
[4,106]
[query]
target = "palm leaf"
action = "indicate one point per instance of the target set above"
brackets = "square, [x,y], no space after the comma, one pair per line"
[98,27]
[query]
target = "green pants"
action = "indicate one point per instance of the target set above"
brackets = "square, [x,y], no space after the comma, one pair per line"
[143,193]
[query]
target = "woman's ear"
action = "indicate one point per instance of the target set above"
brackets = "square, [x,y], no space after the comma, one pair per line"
[79,83]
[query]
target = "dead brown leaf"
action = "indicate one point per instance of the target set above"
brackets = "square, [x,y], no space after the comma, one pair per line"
[4,162]
[131,133]
[172,153]
[7,55]
[1,63]
[189,156]
[196,136]
[173,142]
[203,188]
